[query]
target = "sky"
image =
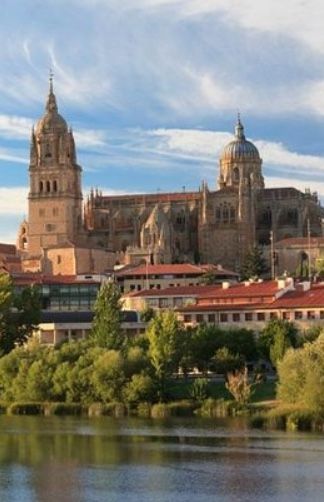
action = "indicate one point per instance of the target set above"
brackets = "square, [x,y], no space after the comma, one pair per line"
[152,89]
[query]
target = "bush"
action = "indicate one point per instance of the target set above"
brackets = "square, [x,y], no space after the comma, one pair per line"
[199,389]
[182,408]
[160,410]
[217,408]
[26,409]
[144,410]
[62,409]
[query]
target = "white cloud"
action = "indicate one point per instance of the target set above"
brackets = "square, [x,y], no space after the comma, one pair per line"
[13,126]
[13,200]
[208,144]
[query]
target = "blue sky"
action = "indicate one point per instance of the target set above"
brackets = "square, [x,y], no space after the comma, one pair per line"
[152,89]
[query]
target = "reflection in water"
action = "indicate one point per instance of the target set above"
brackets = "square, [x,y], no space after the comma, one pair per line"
[73,459]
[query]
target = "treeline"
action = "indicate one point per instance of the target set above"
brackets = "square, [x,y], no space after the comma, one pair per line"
[110,367]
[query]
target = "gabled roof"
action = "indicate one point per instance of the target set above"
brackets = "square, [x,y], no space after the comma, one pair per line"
[7,249]
[162,269]
[192,291]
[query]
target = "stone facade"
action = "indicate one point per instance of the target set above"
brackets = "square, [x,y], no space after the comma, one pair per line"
[206,226]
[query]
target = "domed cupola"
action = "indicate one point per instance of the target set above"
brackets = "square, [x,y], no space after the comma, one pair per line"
[51,121]
[52,143]
[240,148]
[240,161]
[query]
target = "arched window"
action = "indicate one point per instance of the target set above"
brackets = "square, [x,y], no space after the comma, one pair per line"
[218,214]
[54,186]
[41,186]
[236,174]
[225,214]
[48,186]
[232,214]
[48,151]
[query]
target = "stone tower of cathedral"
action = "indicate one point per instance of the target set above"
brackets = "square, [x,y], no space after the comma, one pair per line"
[55,197]
[206,226]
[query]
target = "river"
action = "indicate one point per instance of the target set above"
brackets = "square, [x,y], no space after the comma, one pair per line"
[131,460]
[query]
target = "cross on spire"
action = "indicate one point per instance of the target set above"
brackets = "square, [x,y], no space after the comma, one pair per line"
[51,76]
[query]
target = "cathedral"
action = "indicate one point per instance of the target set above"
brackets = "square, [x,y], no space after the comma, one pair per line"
[65,235]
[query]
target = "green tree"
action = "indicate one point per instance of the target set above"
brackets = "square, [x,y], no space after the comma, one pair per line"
[140,388]
[165,337]
[19,314]
[147,314]
[301,377]
[225,361]
[253,264]
[209,277]
[108,376]
[277,336]
[106,327]
[204,341]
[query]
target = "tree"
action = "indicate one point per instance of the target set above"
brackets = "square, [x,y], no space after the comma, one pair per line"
[301,377]
[238,385]
[225,361]
[253,264]
[106,327]
[19,314]
[277,336]
[165,342]
[209,277]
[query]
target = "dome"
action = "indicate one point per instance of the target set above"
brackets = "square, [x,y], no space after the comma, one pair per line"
[240,148]
[51,121]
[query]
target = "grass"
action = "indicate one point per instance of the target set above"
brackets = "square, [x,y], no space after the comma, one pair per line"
[180,389]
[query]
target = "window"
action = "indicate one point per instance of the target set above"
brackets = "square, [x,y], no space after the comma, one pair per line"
[298,315]
[248,316]
[286,316]
[311,314]
[260,316]
[223,318]
[211,318]
[41,186]
[199,318]
[273,315]
[187,318]
[54,186]
[322,314]
[59,259]
[236,317]
[48,186]
[49,227]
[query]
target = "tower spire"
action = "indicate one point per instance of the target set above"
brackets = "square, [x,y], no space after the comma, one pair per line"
[239,129]
[51,105]
[51,76]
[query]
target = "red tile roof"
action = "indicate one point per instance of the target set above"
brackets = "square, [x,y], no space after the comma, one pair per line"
[266,288]
[299,299]
[162,269]
[175,291]
[7,249]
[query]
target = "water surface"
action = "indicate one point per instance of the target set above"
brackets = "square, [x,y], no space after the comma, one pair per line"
[94,460]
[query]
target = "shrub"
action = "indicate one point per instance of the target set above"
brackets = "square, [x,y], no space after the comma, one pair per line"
[160,410]
[199,389]
[26,409]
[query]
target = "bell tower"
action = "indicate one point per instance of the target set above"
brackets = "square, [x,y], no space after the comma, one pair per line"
[55,196]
